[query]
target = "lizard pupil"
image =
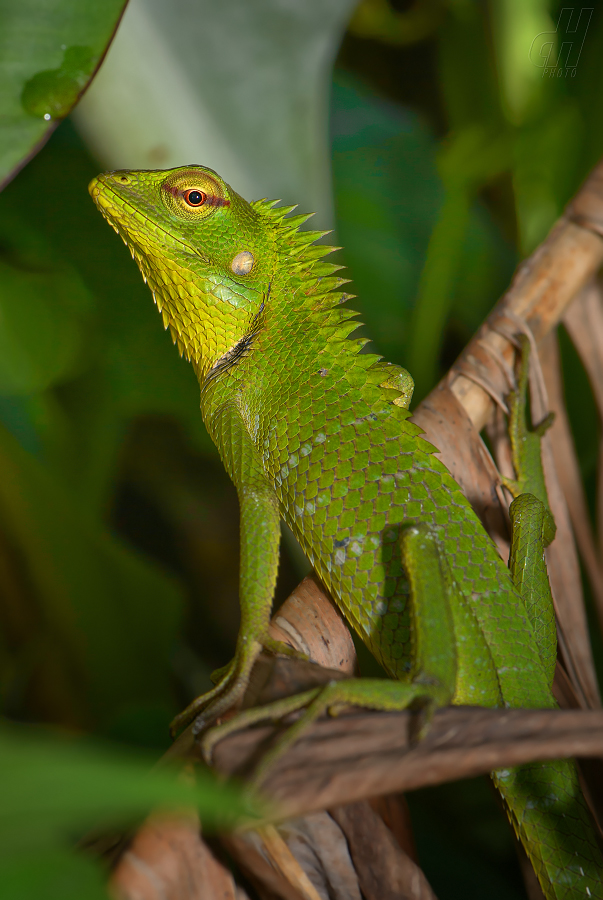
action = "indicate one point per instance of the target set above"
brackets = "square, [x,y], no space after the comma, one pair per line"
[194,198]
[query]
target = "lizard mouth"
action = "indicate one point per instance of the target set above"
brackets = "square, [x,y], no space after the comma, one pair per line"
[115,208]
[122,214]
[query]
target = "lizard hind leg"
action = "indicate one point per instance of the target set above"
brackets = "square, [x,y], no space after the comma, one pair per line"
[533,525]
[430,684]
[526,443]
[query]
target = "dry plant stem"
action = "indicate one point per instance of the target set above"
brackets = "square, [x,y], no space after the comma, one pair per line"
[542,289]
[544,286]
[251,855]
[370,753]
[566,465]
[285,862]
[584,323]
[566,586]
[320,843]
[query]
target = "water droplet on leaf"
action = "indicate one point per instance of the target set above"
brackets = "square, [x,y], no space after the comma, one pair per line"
[52,93]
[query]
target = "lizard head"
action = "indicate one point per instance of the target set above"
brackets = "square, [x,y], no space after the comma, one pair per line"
[206,254]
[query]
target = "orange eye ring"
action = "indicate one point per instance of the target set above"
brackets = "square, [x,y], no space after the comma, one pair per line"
[194,197]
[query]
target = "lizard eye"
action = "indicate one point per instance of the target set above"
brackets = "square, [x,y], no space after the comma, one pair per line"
[194,198]
[192,194]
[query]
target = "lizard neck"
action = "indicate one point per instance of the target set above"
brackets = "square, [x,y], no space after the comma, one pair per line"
[300,315]
[205,327]
[299,344]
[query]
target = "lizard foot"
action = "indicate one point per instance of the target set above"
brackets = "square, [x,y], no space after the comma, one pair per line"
[230,684]
[379,694]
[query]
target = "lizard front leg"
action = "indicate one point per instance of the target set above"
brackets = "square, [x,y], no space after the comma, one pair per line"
[431,682]
[260,538]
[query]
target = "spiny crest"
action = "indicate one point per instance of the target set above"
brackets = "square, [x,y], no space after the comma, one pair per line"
[305,259]
[287,227]
[338,323]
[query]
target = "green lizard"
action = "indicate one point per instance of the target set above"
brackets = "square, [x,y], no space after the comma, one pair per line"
[312,430]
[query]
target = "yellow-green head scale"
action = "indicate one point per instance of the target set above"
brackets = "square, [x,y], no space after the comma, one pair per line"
[200,247]
[231,277]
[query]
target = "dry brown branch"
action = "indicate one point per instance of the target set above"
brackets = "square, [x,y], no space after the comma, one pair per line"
[361,755]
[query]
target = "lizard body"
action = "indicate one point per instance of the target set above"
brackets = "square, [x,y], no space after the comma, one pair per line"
[312,430]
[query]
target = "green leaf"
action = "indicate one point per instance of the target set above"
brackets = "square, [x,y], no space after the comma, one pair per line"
[105,617]
[53,92]
[48,53]
[54,788]
[387,193]
[43,311]
[51,875]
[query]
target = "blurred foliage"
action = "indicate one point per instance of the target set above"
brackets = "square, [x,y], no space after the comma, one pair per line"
[453,150]
[54,789]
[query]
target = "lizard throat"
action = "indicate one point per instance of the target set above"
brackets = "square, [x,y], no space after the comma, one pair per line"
[240,350]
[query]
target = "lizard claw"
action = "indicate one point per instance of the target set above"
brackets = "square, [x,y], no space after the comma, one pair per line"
[275,711]
[229,689]
[230,684]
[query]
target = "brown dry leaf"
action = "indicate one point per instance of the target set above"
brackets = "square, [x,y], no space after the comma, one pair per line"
[168,860]
[385,872]
[584,324]
[563,467]
[320,845]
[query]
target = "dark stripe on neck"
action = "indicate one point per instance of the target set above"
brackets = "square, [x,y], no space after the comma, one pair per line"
[236,353]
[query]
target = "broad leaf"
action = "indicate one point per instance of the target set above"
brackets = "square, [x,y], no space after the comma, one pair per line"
[240,86]
[43,311]
[48,53]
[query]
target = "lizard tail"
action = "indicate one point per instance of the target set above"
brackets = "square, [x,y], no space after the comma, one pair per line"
[551,819]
